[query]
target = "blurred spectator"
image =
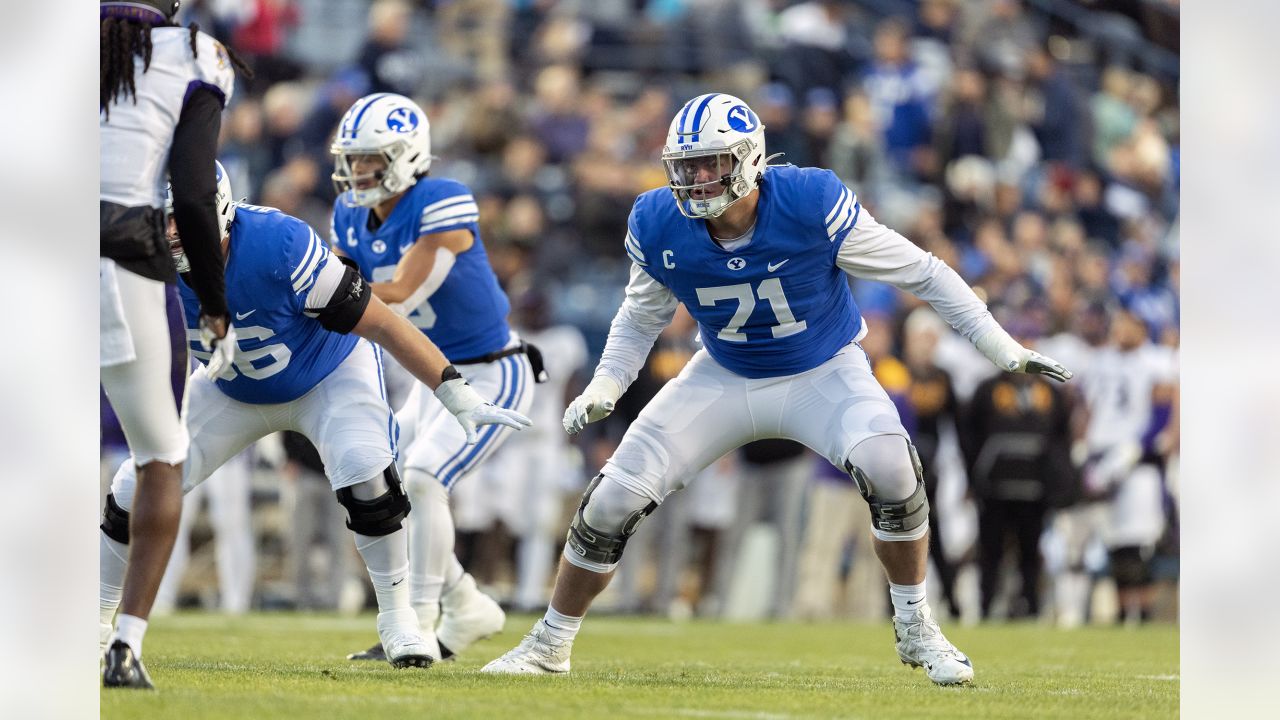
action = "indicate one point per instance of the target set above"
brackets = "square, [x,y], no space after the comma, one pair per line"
[901,98]
[386,60]
[475,31]
[933,403]
[261,38]
[1055,111]
[815,49]
[1015,437]
[228,492]
[820,118]
[557,120]
[857,149]
[782,134]
[319,558]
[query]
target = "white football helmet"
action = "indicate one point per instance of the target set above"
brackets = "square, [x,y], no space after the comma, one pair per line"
[387,125]
[223,198]
[714,154]
[226,207]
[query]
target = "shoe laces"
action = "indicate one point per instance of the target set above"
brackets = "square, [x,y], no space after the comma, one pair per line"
[541,640]
[922,629]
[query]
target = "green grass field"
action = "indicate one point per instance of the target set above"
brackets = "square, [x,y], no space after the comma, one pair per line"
[291,666]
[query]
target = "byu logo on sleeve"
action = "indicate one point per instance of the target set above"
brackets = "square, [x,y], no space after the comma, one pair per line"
[742,119]
[402,119]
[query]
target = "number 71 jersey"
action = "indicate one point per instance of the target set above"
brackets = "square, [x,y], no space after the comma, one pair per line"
[778,306]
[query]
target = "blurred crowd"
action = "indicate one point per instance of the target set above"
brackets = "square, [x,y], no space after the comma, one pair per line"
[1031,144]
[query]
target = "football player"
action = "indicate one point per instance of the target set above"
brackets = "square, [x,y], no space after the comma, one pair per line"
[161,93]
[309,360]
[417,240]
[759,256]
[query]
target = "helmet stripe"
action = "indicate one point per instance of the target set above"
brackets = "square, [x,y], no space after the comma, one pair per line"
[355,124]
[697,117]
[680,129]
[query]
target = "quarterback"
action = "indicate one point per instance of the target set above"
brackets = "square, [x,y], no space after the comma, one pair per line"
[307,325]
[759,256]
[417,240]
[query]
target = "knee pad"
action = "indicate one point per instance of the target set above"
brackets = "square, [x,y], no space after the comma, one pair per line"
[877,471]
[115,521]
[382,515]
[615,523]
[1130,567]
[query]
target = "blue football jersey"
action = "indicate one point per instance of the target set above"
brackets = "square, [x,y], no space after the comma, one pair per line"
[467,315]
[281,354]
[778,306]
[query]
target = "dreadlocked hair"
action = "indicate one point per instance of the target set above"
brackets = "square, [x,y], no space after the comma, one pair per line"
[119,41]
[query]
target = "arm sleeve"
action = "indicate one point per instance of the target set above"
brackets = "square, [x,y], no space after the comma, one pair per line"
[647,308]
[875,252]
[191,174]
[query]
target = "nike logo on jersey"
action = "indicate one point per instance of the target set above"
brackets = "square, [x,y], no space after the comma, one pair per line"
[775,266]
[245,315]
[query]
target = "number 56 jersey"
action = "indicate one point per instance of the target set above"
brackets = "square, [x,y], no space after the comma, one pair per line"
[778,306]
[272,266]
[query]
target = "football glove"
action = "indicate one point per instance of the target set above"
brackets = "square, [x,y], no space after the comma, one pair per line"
[471,410]
[1010,356]
[223,348]
[595,403]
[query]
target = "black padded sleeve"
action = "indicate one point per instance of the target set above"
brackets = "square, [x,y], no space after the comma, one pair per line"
[195,143]
[347,305]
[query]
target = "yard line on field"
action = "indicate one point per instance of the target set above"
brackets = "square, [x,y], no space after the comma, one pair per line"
[1157,677]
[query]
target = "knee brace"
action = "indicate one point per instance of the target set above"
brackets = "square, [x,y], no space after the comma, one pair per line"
[1130,566]
[382,515]
[598,545]
[115,521]
[900,517]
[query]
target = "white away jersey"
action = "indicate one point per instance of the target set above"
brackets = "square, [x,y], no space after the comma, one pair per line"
[1118,389]
[136,137]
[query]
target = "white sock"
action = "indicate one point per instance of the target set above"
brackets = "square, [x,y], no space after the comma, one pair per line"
[387,559]
[561,627]
[452,574]
[130,629]
[113,562]
[907,599]
[430,536]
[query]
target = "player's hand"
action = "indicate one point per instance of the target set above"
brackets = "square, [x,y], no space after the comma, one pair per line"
[218,337]
[595,403]
[1033,363]
[471,410]
[1010,356]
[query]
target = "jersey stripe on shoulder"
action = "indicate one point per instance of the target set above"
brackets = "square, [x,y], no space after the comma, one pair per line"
[305,274]
[843,215]
[456,210]
[634,251]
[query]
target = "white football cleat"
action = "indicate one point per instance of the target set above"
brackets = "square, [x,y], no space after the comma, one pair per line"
[921,644]
[405,645]
[466,616]
[537,654]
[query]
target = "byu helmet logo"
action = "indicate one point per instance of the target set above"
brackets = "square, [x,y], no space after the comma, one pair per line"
[742,119]
[402,120]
